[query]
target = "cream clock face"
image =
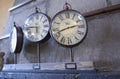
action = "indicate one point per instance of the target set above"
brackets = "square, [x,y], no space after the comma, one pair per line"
[68,27]
[16,40]
[36,27]
[13,42]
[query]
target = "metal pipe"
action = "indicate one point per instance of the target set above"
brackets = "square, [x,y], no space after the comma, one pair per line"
[71,54]
[102,10]
[21,4]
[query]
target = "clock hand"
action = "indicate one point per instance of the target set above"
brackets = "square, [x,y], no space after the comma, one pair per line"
[36,27]
[37,30]
[73,26]
[67,28]
[63,30]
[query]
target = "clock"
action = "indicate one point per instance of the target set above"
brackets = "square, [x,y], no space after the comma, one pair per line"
[68,27]
[36,28]
[16,40]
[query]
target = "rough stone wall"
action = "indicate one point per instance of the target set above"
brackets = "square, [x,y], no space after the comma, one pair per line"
[101,44]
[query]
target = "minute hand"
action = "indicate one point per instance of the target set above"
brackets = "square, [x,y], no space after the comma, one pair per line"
[67,28]
[73,26]
[63,29]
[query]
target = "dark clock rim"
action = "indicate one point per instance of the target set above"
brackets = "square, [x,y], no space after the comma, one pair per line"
[73,44]
[47,37]
[19,42]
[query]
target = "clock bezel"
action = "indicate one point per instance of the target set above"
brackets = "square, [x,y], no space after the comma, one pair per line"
[84,34]
[19,40]
[47,36]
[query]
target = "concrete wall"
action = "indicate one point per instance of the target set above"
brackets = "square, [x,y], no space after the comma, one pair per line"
[101,44]
[4,6]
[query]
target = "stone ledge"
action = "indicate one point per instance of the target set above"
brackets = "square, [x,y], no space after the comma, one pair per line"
[88,65]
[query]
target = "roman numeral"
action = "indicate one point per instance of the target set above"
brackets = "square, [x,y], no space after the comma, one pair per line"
[41,35]
[69,41]
[57,35]
[46,26]
[31,36]
[45,21]
[73,16]
[41,18]
[67,15]
[36,38]
[81,26]
[62,39]
[57,23]
[80,32]
[61,18]
[37,17]
[76,38]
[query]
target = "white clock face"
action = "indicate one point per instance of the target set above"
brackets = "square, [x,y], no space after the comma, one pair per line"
[13,42]
[68,27]
[36,27]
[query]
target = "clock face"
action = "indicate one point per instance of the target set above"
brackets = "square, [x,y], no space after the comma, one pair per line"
[68,27]
[13,42]
[16,40]
[36,27]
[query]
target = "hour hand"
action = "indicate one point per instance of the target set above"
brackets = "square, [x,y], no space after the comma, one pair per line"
[32,27]
[37,30]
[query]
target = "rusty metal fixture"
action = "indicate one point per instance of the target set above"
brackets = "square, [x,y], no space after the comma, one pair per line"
[67,6]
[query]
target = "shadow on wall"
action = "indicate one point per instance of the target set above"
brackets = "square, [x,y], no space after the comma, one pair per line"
[1,60]
[9,59]
[107,66]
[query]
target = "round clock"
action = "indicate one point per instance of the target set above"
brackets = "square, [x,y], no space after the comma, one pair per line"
[37,27]
[16,40]
[68,27]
